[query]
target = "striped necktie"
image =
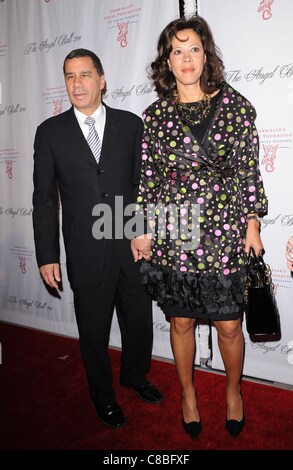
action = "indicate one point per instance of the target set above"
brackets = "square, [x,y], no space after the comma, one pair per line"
[93,138]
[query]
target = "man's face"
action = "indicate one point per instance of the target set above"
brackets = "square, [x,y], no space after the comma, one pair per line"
[83,84]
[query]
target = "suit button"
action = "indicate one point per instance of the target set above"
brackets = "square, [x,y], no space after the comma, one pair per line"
[104,195]
[100,171]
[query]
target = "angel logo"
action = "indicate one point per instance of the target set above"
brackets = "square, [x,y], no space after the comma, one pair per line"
[122,34]
[265,9]
[57,106]
[22,264]
[9,168]
[269,157]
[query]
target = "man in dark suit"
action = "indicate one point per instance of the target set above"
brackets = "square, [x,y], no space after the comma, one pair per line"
[101,271]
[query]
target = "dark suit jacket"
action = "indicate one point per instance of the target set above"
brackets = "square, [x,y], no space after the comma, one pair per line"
[63,161]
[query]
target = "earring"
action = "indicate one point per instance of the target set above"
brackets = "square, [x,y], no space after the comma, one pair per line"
[170,69]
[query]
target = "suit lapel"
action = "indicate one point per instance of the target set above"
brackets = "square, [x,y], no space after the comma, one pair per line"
[76,135]
[111,133]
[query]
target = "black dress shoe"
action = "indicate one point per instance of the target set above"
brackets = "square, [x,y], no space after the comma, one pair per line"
[147,392]
[112,416]
[193,429]
[234,427]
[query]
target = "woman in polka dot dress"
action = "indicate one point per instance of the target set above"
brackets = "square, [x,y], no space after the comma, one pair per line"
[202,194]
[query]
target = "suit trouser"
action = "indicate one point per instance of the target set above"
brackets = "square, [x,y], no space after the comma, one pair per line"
[94,310]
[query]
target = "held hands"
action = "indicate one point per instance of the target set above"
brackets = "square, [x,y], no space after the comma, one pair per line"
[141,247]
[51,274]
[289,253]
[253,238]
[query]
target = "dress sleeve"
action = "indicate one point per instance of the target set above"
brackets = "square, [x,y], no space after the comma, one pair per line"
[250,179]
[149,186]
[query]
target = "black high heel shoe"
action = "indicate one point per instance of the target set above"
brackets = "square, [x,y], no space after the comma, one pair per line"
[193,429]
[234,427]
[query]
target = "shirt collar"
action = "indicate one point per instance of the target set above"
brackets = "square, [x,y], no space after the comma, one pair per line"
[98,115]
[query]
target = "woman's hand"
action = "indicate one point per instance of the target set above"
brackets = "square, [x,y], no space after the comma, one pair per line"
[252,238]
[141,247]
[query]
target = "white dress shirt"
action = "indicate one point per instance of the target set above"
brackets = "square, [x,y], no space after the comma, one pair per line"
[100,119]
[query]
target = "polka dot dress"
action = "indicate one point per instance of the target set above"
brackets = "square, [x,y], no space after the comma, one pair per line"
[195,196]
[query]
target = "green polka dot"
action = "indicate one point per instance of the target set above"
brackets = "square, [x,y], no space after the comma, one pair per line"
[201,266]
[151,184]
[183,190]
[229,128]
[172,143]
[243,110]
[172,157]
[157,112]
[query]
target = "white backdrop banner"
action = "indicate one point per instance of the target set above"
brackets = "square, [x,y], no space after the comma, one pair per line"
[255,41]
[35,37]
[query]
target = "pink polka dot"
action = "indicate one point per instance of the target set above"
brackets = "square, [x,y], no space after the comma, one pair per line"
[254,140]
[149,172]
[144,157]
[174,174]
[159,253]
[183,221]
[226,100]
[186,140]
[170,124]
[246,123]
[144,145]
[183,257]
[251,189]
[183,178]
[217,136]
[199,252]
[216,187]
[183,211]
[183,268]
[170,227]
[226,226]
[226,272]
[194,185]
[200,200]
[218,233]
[251,198]
[225,259]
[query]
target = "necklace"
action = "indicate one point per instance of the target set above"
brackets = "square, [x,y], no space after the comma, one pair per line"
[193,113]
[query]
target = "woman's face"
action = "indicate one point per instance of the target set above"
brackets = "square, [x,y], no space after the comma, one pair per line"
[187,57]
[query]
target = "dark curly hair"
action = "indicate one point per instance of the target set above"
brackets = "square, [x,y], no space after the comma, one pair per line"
[213,72]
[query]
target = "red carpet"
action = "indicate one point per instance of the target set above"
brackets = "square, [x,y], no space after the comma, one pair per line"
[45,404]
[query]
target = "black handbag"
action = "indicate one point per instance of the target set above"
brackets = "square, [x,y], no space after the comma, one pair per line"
[262,314]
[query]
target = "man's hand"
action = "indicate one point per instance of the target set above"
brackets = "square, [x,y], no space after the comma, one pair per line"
[141,247]
[51,274]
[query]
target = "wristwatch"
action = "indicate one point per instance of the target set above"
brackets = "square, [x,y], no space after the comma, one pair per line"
[253,217]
